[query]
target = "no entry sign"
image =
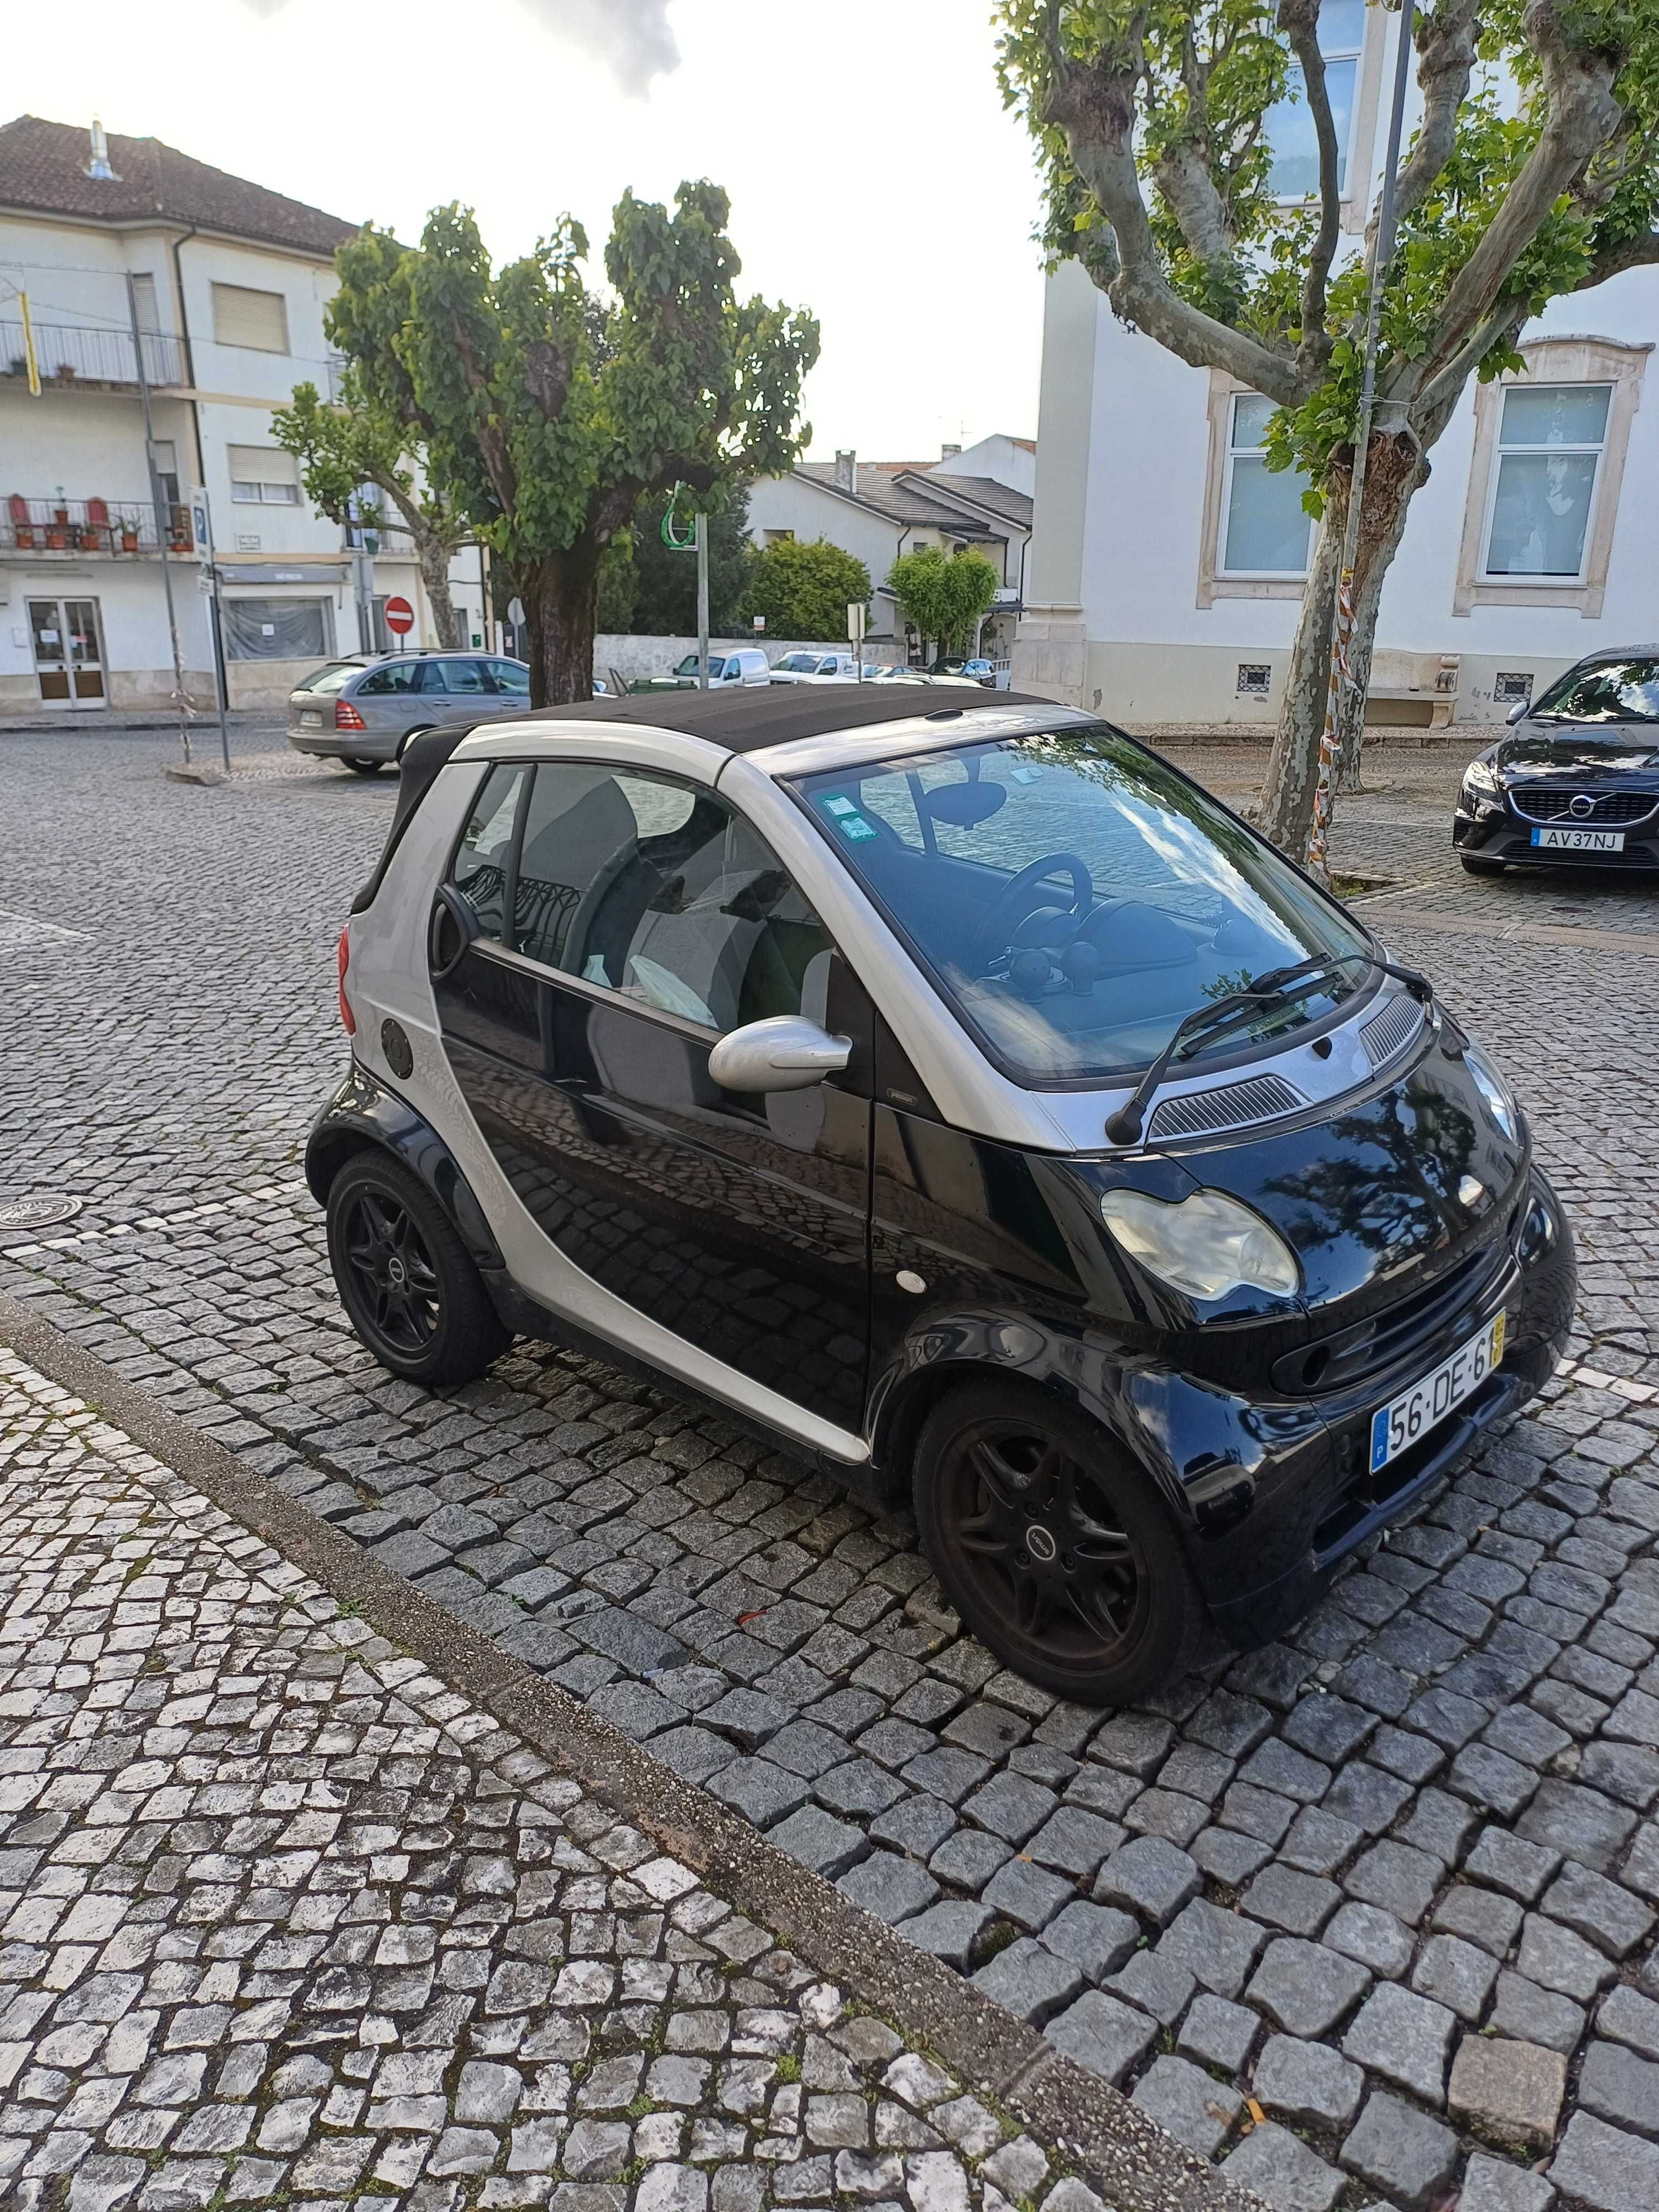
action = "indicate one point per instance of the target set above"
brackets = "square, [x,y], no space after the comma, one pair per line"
[400,616]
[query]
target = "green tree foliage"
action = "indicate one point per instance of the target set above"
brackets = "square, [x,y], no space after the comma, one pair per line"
[362,441]
[547,412]
[652,588]
[942,597]
[804,587]
[1534,172]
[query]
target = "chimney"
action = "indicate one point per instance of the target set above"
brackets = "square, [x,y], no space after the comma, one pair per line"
[98,164]
[846,472]
[949,453]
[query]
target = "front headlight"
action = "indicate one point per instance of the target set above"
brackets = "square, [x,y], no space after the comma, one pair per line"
[1500,1099]
[1481,777]
[1207,1245]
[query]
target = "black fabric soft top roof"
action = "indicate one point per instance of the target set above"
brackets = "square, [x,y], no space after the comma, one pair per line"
[746,719]
[743,722]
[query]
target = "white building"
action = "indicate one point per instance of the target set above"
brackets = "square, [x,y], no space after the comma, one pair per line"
[229,283]
[1167,562]
[979,496]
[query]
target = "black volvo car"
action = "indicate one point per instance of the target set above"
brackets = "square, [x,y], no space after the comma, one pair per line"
[963,1097]
[1577,782]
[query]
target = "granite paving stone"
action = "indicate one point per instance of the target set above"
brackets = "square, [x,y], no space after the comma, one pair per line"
[1464,1727]
[1513,2091]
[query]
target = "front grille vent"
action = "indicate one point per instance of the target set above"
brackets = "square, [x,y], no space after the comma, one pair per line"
[1385,1033]
[1538,803]
[1262,1098]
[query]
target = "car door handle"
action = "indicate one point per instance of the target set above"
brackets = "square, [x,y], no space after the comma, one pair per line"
[454,926]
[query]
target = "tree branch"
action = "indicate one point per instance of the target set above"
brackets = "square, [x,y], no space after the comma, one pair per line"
[1094,105]
[1299,20]
[1631,253]
[1445,63]
[1580,115]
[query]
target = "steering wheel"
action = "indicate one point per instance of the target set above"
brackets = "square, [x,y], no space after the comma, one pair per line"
[1011,907]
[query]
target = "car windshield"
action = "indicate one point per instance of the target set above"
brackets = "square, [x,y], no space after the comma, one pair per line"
[798,664]
[334,678]
[1075,898]
[1612,691]
[716,665]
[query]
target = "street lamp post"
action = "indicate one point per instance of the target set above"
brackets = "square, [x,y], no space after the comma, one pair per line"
[1342,614]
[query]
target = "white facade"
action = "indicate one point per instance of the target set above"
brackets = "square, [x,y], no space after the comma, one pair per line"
[231,326]
[1165,577]
[977,496]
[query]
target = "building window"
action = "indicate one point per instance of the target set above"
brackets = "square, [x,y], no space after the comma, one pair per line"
[278,629]
[1289,124]
[1510,686]
[1550,439]
[242,317]
[1545,474]
[264,475]
[1265,529]
[1256,679]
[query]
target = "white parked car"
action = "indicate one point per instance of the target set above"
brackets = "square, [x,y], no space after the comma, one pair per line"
[824,667]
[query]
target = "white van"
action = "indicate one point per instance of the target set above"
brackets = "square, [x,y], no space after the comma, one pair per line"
[746,666]
[808,666]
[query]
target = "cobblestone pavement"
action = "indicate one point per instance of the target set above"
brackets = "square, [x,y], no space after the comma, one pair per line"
[1395,1880]
[288,1920]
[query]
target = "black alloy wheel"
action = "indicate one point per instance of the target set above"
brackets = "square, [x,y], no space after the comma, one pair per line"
[410,1287]
[1052,1547]
[362,767]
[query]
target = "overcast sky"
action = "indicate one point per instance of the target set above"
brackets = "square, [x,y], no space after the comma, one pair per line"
[874,177]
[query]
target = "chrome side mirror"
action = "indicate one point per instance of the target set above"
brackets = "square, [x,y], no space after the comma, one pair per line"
[786,1052]
[1519,711]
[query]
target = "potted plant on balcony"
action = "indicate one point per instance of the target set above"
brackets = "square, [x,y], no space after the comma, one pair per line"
[57,532]
[129,527]
[23,529]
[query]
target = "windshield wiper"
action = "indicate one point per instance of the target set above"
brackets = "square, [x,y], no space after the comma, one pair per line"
[1277,986]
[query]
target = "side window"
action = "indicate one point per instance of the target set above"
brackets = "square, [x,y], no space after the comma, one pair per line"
[466,676]
[480,870]
[391,676]
[510,675]
[662,893]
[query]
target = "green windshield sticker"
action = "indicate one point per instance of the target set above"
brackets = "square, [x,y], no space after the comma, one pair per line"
[854,826]
[839,806]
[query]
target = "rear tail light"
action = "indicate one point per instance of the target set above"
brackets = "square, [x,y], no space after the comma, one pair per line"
[346,1014]
[346,716]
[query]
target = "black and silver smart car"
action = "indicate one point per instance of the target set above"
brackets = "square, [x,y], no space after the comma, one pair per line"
[1577,779]
[962,1097]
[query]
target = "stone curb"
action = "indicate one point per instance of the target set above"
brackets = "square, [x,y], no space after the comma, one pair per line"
[1137,2166]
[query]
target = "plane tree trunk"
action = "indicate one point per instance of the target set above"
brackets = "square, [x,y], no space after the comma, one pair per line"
[560,596]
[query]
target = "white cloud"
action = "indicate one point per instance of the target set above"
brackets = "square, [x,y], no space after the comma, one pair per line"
[631,37]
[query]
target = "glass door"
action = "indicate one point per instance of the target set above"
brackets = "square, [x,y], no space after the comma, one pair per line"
[69,652]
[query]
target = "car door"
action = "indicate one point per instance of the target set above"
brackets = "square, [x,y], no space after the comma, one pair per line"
[470,691]
[626,921]
[385,698]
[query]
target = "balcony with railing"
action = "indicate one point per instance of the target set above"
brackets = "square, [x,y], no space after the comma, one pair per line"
[112,527]
[92,358]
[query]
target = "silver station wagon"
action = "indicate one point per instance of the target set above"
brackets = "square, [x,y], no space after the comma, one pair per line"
[359,712]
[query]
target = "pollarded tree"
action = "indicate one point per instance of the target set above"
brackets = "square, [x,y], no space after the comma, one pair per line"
[804,587]
[943,597]
[1534,173]
[341,449]
[549,411]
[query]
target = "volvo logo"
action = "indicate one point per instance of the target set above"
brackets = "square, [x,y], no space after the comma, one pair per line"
[1582,804]
[1041,1545]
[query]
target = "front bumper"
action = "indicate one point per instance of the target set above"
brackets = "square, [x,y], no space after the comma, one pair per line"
[1493,830]
[1267,1532]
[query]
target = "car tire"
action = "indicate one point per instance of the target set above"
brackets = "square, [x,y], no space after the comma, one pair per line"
[362,767]
[411,1292]
[1475,866]
[1116,1611]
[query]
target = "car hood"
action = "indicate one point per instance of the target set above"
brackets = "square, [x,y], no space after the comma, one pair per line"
[1385,1193]
[1580,749]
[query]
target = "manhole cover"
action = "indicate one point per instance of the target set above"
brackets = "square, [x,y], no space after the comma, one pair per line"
[41,1212]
